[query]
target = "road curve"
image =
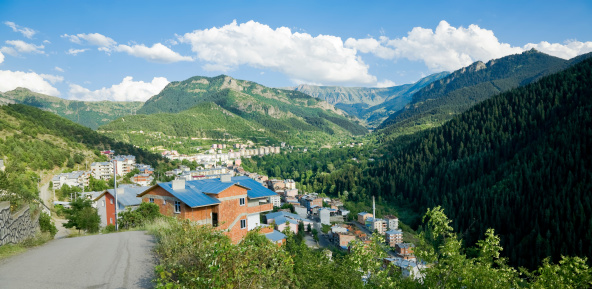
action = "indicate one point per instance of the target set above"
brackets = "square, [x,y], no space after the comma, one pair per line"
[117,260]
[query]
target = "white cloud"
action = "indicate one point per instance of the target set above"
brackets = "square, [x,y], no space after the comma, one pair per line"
[52,78]
[300,56]
[95,39]
[10,80]
[450,48]
[1,57]
[156,53]
[371,45]
[20,46]
[73,51]
[386,83]
[127,90]
[46,41]
[570,49]
[57,68]
[27,32]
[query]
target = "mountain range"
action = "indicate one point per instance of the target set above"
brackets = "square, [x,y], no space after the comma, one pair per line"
[88,113]
[211,108]
[370,104]
[439,101]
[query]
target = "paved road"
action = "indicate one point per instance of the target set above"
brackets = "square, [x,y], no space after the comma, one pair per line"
[118,260]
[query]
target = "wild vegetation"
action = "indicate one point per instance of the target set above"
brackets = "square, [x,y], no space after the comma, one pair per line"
[193,256]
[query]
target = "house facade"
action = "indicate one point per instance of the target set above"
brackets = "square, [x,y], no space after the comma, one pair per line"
[232,205]
[394,237]
[362,217]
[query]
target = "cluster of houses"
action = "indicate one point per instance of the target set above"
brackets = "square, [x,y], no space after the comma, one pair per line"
[232,204]
[219,153]
[120,165]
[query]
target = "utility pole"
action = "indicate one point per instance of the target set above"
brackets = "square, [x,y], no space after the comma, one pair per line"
[115,191]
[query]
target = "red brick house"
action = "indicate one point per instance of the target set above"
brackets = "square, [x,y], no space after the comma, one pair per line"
[230,204]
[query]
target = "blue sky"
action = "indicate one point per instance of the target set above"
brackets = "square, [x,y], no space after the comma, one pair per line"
[129,50]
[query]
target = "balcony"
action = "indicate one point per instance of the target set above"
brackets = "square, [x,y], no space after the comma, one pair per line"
[259,208]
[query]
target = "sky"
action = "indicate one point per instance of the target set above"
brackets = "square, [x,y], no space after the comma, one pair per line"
[130,50]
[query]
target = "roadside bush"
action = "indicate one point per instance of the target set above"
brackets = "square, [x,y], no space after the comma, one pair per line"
[146,212]
[46,225]
[109,229]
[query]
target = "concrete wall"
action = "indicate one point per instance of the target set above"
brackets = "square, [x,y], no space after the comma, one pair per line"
[15,228]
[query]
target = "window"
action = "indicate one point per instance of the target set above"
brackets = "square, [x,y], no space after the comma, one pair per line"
[164,202]
[103,203]
[243,224]
[111,201]
[177,207]
[151,200]
[111,220]
[242,201]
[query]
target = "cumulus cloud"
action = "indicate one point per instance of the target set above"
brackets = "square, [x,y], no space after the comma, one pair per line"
[95,39]
[450,48]
[156,53]
[74,52]
[52,78]
[371,45]
[19,46]
[570,49]
[300,56]
[27,32]
[386,83]
[127,90]
[1,57]
[10,80]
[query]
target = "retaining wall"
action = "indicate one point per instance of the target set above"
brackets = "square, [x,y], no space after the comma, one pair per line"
[15,228]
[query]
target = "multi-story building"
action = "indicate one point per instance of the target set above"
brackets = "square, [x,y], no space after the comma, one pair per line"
[392,222]
[275,201]
[73,179]
[393,237]
[102,170]
[405,251]
[309,201]
[123,164]
[233,205]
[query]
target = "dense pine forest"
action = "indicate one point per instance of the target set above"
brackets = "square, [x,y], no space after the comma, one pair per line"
[519,162]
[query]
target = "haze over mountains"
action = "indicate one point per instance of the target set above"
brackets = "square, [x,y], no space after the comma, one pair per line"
[371,104]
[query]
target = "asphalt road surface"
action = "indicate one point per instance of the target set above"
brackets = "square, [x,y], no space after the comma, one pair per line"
[117,260]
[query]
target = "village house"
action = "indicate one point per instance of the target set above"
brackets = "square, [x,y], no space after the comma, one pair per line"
[232,205]
[376,224]
[102,170]
[409,268]
[392,222]
[73,179]
[285,219]
[126,198]
[393,237]
[145,169]
[311,200]
[142,179]
[123,164]
[362,217]
[405,251]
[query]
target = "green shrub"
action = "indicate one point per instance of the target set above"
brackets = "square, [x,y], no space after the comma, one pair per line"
[109,229]
[46,225]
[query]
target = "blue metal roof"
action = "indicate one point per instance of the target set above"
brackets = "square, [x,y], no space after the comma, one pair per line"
[195,192]
[129,195]
[275,236]
[257,190]
[191,196]
[394,232]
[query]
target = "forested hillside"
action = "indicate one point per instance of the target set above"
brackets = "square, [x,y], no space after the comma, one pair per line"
[222,103]
[32,141]
[87,113]
[440,101]
[520,162]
